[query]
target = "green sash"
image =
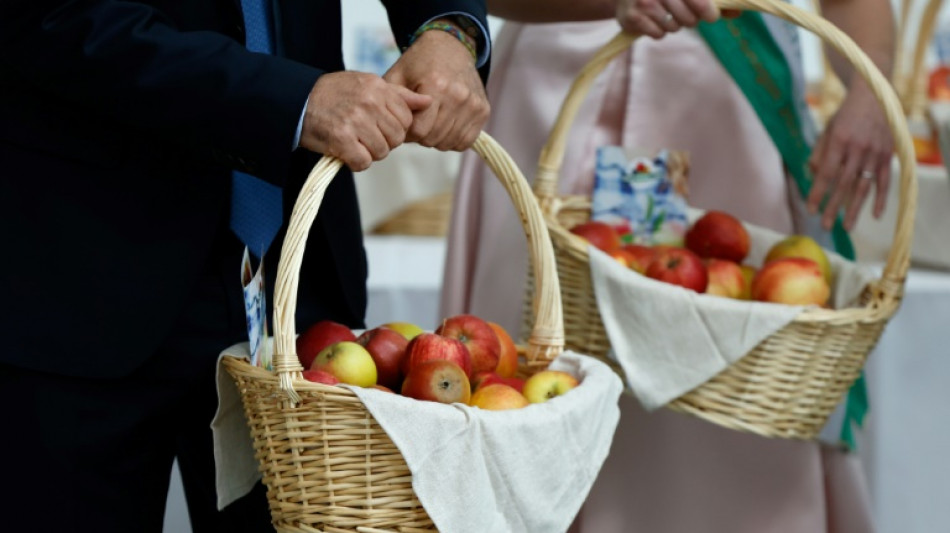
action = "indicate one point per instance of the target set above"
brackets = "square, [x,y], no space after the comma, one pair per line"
[746,48]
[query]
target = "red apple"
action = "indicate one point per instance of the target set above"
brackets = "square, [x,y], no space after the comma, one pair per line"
[791,280]
[483,379]
[480,339]
[320,376]
[725,278]
[317,337]
[437,380]
[387,347]
[429,346]
[679,266]
[348,362]
[623,257]
[548,384]
[599,234]
[498,397]
[719,235]
[642,255]
[508,356]
[382,388]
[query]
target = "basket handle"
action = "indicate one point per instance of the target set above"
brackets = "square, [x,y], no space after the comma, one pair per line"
[547,337]
[915,85]
[898,260]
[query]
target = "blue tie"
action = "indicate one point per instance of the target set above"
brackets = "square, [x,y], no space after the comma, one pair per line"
[256,206]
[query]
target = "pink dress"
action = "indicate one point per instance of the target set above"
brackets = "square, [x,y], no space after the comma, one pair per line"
[667,473]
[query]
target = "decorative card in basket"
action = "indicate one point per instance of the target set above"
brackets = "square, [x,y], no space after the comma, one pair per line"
[642,195]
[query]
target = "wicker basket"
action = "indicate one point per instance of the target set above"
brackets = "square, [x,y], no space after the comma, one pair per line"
[788,385]
[327,463]
[428,217]
[912,84]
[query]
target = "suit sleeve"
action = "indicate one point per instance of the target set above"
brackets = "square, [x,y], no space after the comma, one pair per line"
[406,17]
[127,62]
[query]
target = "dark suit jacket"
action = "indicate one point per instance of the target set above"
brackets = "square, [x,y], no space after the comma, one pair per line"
[120,122]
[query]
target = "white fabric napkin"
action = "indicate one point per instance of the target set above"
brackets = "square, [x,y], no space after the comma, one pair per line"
[669,340]
[236,469]
[526,470]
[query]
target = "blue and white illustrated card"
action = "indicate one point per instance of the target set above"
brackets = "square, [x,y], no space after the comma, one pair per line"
[255,310]
[642,196]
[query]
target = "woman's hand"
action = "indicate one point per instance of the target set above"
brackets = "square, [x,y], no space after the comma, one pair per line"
[656,18]
[852,154]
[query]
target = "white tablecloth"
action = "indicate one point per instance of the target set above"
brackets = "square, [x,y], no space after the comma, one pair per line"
[906,446]
[405,279]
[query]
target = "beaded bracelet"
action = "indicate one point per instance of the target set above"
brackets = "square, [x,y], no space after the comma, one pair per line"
[451,29]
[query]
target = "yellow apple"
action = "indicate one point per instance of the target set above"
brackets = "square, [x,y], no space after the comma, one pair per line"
[349,362]
[547,384]
[406,329]
[801,246]
[748,273]
[497,397]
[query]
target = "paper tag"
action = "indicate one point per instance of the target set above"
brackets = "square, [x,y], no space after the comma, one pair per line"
[255,311]
[642,196]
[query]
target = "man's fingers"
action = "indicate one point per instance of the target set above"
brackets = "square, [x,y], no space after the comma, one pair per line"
[422,124]
[393,128]
[416,101]
[356,156]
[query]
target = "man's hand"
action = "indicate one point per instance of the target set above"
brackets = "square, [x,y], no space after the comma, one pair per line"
[853,153]
[358,117]
[440,66]
[656,18]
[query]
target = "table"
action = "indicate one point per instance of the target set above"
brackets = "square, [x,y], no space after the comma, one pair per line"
[906,447]
[405,279]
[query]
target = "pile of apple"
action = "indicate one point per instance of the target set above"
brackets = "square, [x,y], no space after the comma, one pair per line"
[796,270]
[465,360]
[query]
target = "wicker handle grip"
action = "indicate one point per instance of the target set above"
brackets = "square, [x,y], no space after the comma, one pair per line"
[547,337]
[898,260]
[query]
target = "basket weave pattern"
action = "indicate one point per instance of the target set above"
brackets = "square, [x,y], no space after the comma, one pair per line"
[791,382]
[327,464]
[428,217]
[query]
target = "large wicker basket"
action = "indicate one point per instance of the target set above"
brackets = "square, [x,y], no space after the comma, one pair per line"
[327,463]
[790,383]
